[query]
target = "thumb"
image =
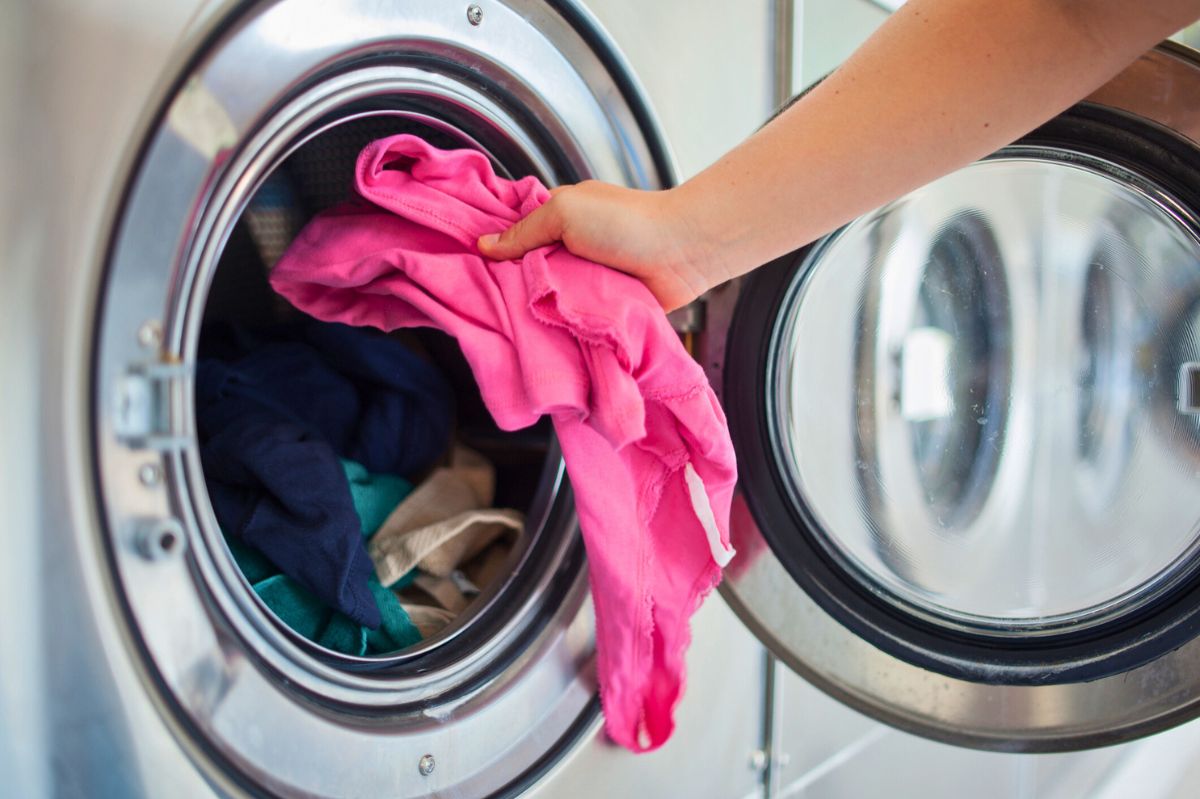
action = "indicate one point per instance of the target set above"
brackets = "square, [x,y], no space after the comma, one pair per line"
[541,227]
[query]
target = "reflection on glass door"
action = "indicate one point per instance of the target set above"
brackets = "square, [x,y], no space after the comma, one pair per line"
[978,395]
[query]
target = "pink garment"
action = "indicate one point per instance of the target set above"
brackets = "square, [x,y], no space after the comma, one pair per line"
[644,439]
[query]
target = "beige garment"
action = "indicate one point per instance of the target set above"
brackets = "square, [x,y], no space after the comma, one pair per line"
[452,595]
[443,522]
[486,567]
[429,620]
[444,591]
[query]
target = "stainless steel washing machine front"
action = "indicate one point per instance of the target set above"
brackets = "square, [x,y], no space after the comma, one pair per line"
[136,139]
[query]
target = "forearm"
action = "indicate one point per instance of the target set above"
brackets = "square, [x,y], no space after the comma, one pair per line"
[940,84]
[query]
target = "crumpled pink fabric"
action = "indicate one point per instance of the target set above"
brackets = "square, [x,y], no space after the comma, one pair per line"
[645,442]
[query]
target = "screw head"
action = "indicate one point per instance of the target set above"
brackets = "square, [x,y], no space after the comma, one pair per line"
[474,14]
[425,765]
[150,474]
[160,539]
[150,334]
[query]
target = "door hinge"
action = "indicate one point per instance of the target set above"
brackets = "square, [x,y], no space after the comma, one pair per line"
[688,319]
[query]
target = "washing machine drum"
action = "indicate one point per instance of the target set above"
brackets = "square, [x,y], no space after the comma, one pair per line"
[968,431]
[258,134]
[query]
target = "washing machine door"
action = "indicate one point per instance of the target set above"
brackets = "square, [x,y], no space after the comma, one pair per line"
[968,429]
[259,131]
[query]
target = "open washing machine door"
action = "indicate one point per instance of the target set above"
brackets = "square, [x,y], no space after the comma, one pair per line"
[968,430]
[296,88]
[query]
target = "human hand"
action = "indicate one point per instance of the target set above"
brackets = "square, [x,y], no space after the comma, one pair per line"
[641,233]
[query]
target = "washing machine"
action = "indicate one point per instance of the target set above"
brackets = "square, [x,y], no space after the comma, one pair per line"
[151,668]
[966,423]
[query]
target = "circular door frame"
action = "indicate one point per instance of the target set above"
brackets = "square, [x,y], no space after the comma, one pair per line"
[247,702]
[975,702]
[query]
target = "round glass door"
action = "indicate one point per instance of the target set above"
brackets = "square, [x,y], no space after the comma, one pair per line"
[968,435]
[975,395]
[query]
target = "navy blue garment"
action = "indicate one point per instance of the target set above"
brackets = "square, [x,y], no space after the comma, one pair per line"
[404,416]
[371,398]
[276,410]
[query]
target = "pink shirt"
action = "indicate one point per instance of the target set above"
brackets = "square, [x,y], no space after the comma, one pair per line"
[645,442]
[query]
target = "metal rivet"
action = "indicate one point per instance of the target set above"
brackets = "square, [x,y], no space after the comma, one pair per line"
[425,766]
[150,334]
[474,14]
[159,539]
[150,474]
[758,760]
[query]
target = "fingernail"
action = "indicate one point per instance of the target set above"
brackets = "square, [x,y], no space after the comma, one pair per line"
[488,241]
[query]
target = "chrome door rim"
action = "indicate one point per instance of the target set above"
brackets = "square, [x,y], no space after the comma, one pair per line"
[549,84]
[227,201]
[981,711]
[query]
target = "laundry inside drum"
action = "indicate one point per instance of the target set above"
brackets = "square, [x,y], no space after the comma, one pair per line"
[371,504]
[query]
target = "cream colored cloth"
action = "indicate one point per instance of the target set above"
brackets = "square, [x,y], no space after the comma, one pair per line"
[444,591]
[452,595]
[488,566]
[445,521]
[428,619]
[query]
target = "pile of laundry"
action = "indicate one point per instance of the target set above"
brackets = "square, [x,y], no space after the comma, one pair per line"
[644,439]
[328,457]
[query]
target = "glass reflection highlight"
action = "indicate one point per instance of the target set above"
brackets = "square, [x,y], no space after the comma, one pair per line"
[977,394]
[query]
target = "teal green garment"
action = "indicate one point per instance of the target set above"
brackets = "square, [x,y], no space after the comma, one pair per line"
[299,609]
[374,495]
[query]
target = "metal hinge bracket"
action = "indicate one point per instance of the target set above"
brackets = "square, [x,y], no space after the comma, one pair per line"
[142,406]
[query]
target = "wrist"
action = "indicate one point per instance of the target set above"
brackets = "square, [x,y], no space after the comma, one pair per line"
[697,255]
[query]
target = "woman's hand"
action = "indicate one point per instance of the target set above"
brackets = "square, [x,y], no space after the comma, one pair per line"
[642,233]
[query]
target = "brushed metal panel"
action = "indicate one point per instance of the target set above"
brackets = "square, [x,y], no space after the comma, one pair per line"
[827,32]
[893,763]
[813,727]
[717,725]
[85,72]
[706,66]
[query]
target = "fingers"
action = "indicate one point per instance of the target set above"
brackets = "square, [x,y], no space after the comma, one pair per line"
[542,227]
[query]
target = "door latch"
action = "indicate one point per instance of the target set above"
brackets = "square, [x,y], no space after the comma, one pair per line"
[143,416]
